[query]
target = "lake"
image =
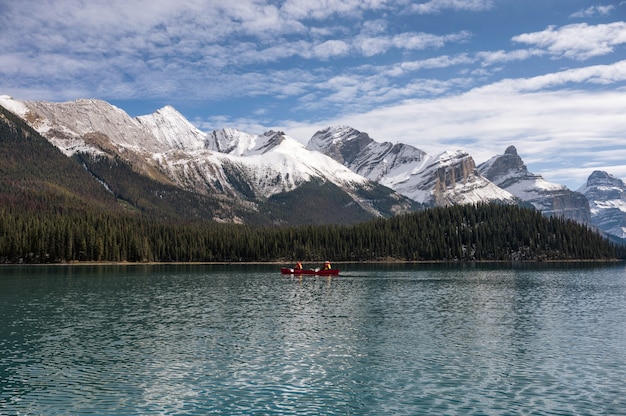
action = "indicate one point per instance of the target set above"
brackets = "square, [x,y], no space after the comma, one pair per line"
[378,339]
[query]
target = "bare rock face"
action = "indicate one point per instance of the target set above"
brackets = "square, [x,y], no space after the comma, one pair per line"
[446,179]
[361,154]
[509,172]
[607,200]
[235,168]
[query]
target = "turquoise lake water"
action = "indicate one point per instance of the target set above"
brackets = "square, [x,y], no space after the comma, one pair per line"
[378,339]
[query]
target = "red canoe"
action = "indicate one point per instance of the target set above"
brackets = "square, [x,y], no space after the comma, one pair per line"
[331,272]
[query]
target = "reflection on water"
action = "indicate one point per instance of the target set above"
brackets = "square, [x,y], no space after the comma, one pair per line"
[379,339]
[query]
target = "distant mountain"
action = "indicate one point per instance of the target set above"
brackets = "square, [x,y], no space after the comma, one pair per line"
[509,172]
[37,176]
[161,165]
[446,179]
[266,179]
[607,199]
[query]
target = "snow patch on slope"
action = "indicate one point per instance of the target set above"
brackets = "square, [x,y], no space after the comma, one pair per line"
[607,199]
[14,106]
[449,177]
[172,130]
[271,163]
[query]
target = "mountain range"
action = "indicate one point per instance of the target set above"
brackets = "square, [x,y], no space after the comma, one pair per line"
[160,164]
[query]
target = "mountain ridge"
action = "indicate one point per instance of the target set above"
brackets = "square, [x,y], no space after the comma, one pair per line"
[607,199]
[447,178]
[254,171]
[509,172]
[166,148]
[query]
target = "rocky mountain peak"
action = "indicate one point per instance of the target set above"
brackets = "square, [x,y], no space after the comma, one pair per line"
[511,150]
[509,172]
[88,125]
[448,178]
[167,147]
[505,169]
[342,143]
[603,186]
[601,178]
[607,199]
[172,130]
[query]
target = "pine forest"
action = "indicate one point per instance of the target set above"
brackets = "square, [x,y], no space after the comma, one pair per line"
[53,211]
[458,233]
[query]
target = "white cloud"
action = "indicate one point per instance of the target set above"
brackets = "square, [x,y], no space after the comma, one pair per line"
[501,56]
[594,11]
[443,61]
[371,46]
[438,6]
[322,9]
[577,41]
[597,74]
[558,127]
[331,48]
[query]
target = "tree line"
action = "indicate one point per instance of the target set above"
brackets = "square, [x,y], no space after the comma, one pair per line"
[53,209]
[484,232]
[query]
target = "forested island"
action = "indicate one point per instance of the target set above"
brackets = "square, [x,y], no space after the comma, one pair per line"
[486,232]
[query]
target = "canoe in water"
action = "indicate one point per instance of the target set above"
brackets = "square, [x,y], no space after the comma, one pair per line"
[331,272]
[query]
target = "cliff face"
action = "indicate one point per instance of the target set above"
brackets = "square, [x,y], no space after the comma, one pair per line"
[241,172]
[607,198]
[445,179]
[509,172]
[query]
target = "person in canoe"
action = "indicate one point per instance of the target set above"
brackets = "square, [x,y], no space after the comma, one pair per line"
[298,266]
[327,265]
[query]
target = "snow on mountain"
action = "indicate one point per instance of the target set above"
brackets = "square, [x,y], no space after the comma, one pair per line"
[16,107]
[237,143]
[381,162]
[448,178]
[509,172]
[268,163]
[227,163]
[452,178]
[172,130]
[86,125]
[271,163]
[168,148]
[607,200]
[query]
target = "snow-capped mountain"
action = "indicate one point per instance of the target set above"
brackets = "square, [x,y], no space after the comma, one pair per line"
[172,131]
[165,147]
[607,200]
[448,178]
[509,172]
[270,163]
[84,125]
[274,177]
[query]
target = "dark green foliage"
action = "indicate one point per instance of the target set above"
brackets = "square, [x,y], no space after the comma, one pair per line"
[458,233]
[384,200]
[315,203]
[152,198]
[56,209]
[35,175]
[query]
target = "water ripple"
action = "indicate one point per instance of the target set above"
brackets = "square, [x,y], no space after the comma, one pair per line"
[201,340]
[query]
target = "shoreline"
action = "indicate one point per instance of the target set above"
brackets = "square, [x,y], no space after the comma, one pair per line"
[283,263]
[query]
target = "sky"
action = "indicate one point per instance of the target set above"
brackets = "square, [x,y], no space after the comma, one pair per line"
[547,76]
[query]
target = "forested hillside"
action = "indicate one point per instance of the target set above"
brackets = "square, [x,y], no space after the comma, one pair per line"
[459,233]
[36,176]
[54,209]
[35,172]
